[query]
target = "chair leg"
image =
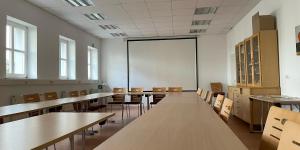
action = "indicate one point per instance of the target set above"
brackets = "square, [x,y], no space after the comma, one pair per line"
[291,107]
[54,146]
[110,107]
[122,111]
[144,108]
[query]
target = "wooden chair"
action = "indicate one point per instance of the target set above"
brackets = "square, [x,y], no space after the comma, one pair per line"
[158,97]
[274,126]
[31,98]
[174,89]
[209,97]
[217,88]
[290,137]
[52,96]
[203,95]
[118,98]
[226,109]
[135,99]
[199,91]
[76,106]
[218,103]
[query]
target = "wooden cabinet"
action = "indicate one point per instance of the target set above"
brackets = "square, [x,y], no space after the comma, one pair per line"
[241,102]
[257,60]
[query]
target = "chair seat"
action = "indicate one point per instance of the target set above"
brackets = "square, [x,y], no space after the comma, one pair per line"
[132,103]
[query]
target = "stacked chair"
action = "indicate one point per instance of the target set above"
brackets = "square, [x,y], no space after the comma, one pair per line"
[31,98]
[159,96]
[136,98]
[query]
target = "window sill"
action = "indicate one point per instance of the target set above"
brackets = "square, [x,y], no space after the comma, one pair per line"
[20,81]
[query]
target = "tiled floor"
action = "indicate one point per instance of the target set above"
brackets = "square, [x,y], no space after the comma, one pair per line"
[240,128]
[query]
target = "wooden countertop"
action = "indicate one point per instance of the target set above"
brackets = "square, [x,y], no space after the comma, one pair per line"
[27,107]
[44,130]
[181,121]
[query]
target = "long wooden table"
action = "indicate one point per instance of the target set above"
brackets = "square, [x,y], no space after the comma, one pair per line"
[180,121]
[42,131]
[10,110]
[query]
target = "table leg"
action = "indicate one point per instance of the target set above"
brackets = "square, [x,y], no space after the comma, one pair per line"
[148,102]
[72,142]
[262,116]
[251,115]
[141,108]
[83,139]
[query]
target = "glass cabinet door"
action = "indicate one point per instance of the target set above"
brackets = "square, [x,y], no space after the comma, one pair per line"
[249,62]
[238,67]
[256,60]
[243,68]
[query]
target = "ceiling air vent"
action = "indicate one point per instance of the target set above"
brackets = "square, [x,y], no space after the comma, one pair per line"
[201,22]
[109,27]
[205,10]
[197,30]
[94,16]
[80,3]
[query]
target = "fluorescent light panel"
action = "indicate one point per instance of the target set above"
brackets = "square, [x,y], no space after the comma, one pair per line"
[201,22]
[94,16]
[109,27]
[197,30]
[80,3]
[205,10]
[118,34]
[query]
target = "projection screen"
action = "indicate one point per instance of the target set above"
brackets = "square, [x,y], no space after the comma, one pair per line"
[162,63]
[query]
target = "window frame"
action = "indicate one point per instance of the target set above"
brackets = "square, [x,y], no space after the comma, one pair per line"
[91,66]
[14,25]
[67,59]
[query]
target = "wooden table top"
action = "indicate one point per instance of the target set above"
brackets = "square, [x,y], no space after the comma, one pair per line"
[181,121]
[277,99]
[27,107]
[44,130]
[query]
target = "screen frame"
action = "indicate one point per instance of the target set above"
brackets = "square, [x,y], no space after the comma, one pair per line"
[161,39]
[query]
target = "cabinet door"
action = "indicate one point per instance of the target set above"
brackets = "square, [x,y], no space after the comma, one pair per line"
[238,65]
[249,62]
[243,66]
[256,60]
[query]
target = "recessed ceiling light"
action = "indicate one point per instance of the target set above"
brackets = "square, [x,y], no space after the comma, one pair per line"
[109,27]
[201,22]
[205,10]
[80,3]
[94,16]
[197,30]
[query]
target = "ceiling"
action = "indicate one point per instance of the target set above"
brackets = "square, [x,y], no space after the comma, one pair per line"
[150,18]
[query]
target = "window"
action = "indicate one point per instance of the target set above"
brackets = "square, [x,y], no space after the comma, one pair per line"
[20,49]
[92,63]
[66,58]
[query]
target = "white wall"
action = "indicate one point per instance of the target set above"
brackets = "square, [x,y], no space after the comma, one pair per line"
[288,17]
[211,59]
[49,28]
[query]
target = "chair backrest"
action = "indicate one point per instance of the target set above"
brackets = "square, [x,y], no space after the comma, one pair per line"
[274,126]
[83,92]
[199,91]
[50,96]
[203,94]
[216,87]
[159,89]
[136,98]
[174,89]
[290,137]
[119,94]
[209,97]
[73,94]
[218,103]
[30,98]
[226,109]
[136,90]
